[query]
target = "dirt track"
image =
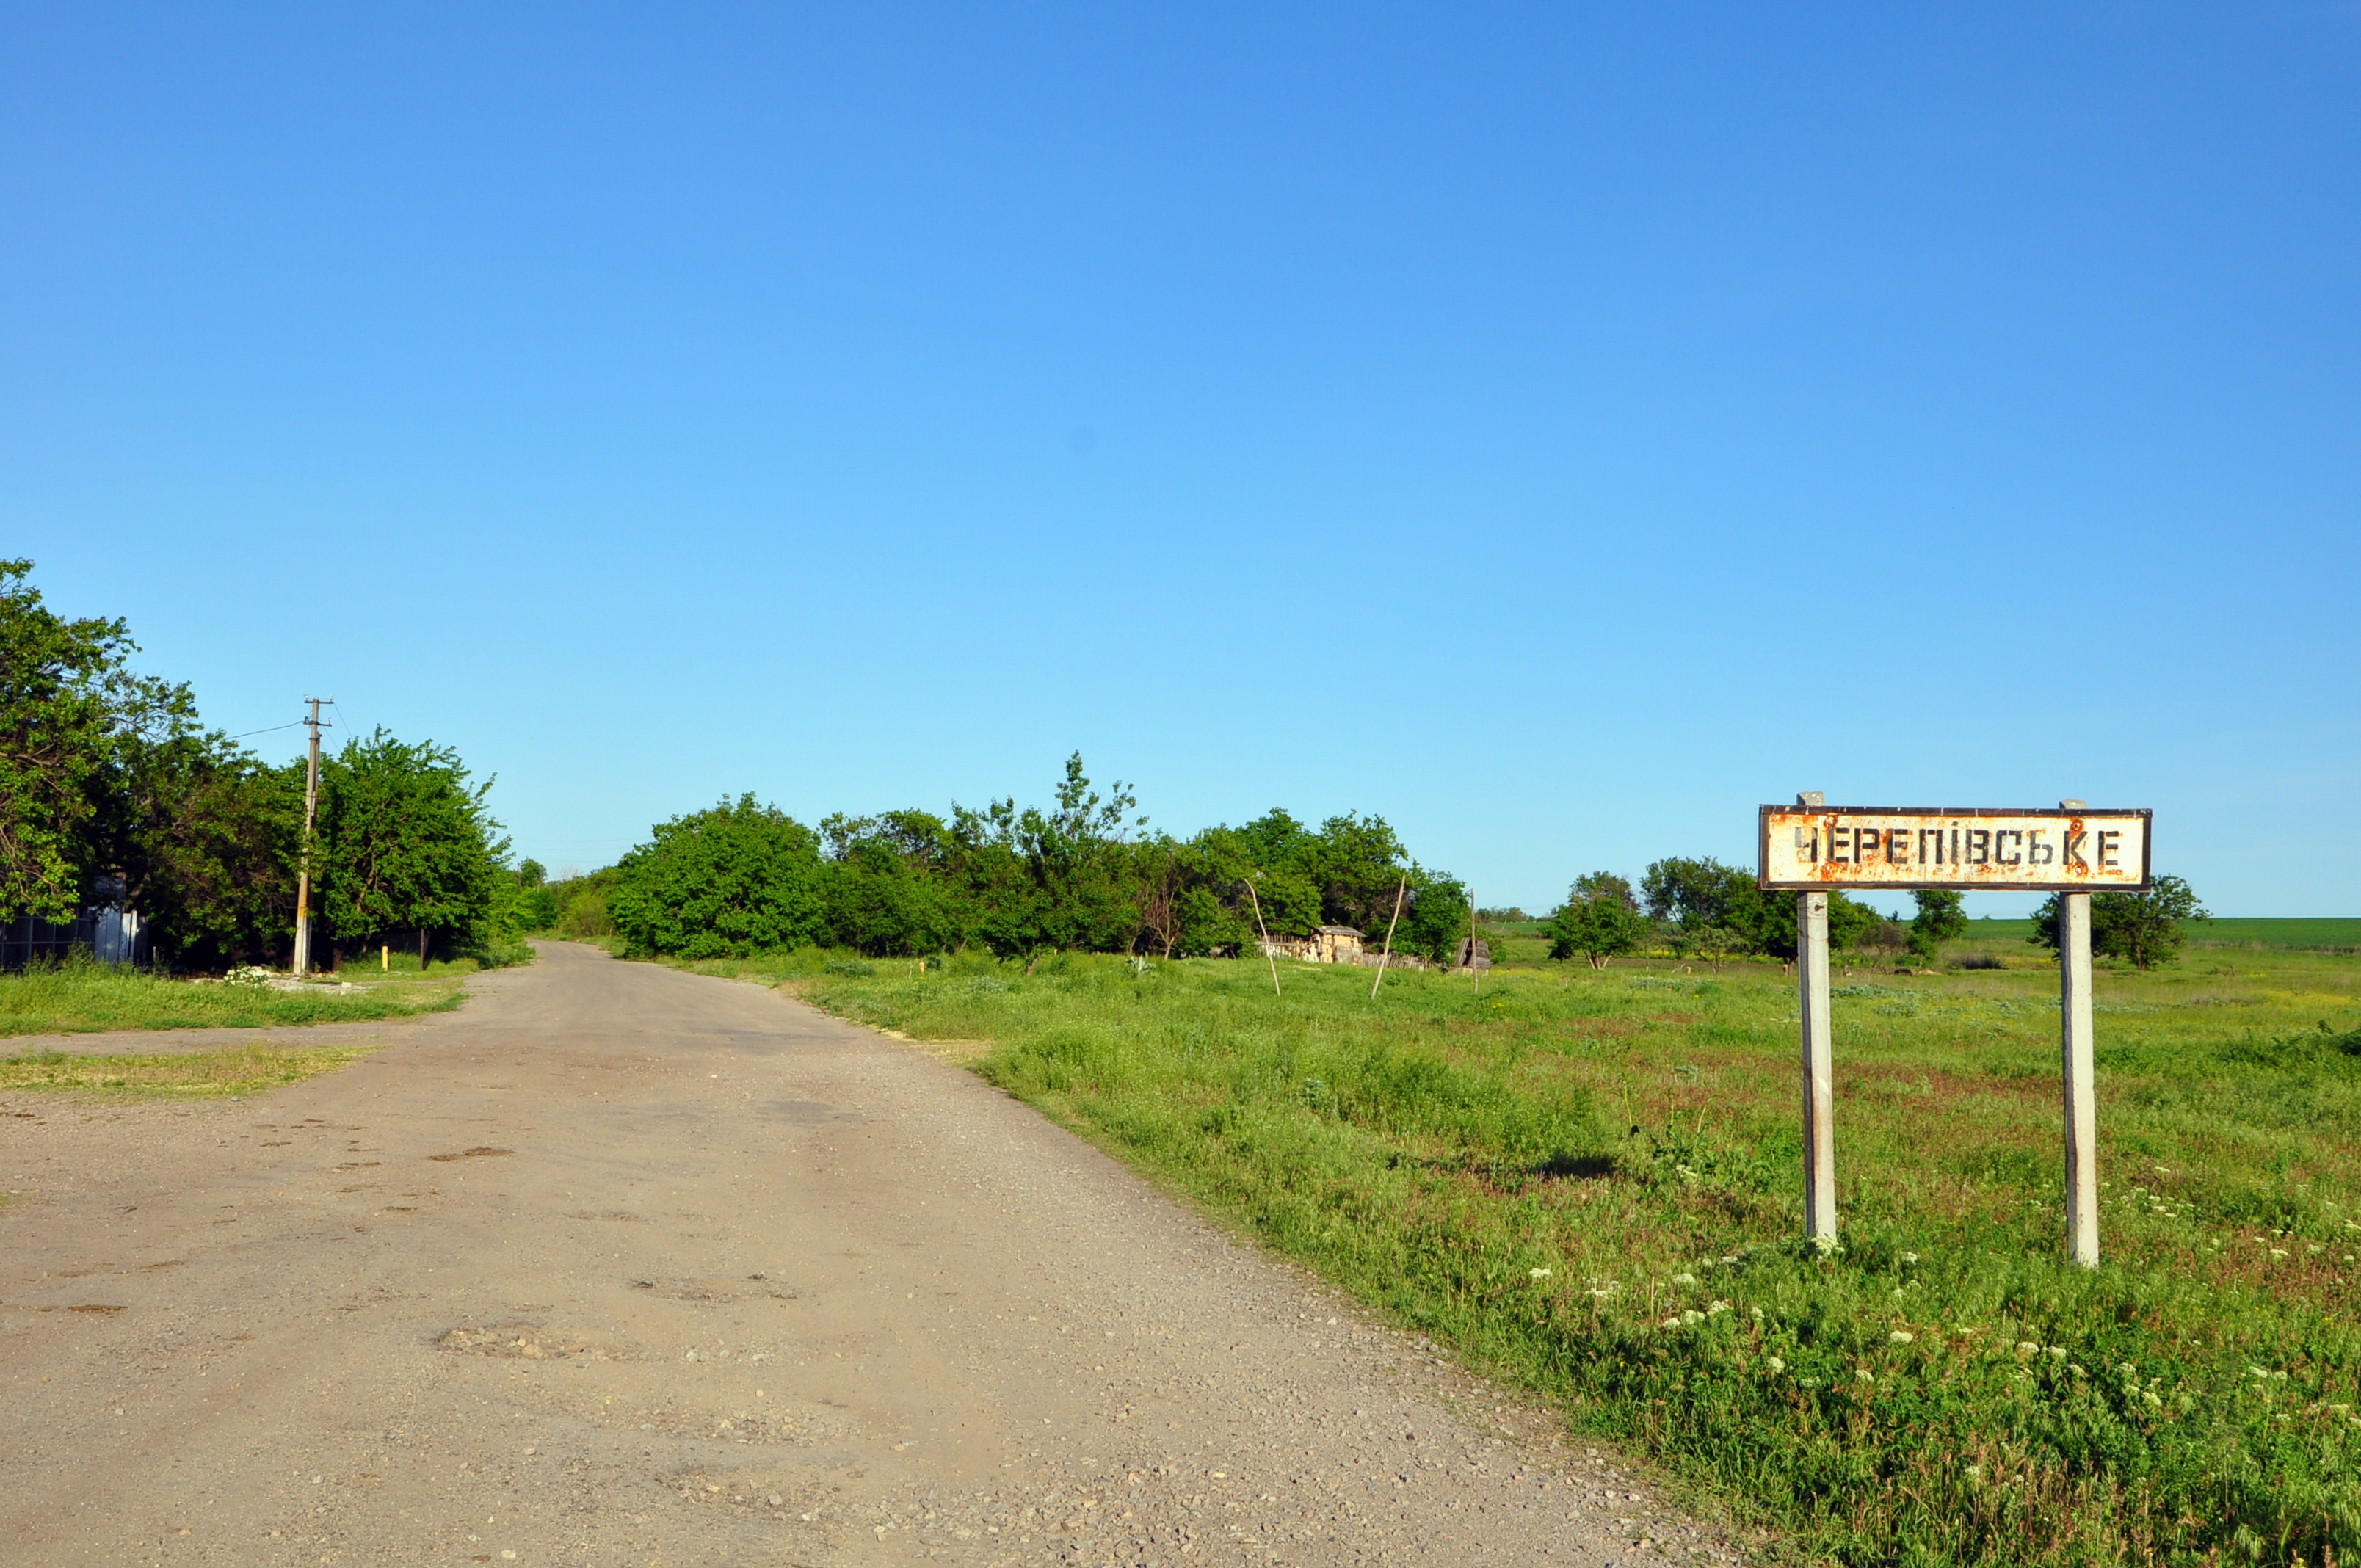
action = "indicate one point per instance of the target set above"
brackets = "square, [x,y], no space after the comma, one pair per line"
[623,1265]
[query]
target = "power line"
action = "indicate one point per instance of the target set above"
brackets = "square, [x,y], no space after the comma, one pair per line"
[266,729]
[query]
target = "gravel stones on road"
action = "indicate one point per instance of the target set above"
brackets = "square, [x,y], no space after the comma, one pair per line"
[620,1265]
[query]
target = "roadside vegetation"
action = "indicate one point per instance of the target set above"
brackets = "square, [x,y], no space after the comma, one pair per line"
[1083,875]
[1588,1180]
[82,997]
[114,794]
[173,1075]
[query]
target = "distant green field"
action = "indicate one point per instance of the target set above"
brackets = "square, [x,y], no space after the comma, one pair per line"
[2288,933]
[2283,936]
[1528,942]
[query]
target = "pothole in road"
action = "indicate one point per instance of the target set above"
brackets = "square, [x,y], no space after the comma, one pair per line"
[757,1494]
[801,1427]
[525,1340]
[715,1290]
[802,1112]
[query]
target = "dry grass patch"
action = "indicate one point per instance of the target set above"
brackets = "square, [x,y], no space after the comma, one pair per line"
[174,1075]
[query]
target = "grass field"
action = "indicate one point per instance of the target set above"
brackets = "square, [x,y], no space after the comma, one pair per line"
[175,1075]
[1589,1183]
[83,998]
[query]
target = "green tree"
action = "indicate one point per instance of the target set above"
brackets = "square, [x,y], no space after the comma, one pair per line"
[1356,862]
[1605,884]
[1435,919]
[1692,893]
[737,878]
[2144,927]
[887,894]
[205,838]
[533,899]
[406,844]
[64,691]
[582,904]
[1717,907]
[1600,920]
[1941,918]
[1056,880]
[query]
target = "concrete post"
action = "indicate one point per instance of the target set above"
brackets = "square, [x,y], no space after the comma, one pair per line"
[1819,1070]
[2082,1099]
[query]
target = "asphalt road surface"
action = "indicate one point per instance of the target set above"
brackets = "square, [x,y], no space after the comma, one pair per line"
[621,1266]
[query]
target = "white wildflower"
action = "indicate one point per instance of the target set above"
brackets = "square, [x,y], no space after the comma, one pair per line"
[1775,1364]
[1901,1336]
[1909,1258]
[1541,1274]
[1685,1278]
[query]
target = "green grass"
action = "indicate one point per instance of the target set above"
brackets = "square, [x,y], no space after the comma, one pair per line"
[1946,1390]
[83,998]
[173,1075]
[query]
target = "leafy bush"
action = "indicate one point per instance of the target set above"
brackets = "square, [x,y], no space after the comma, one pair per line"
[732,880]
[2142,927]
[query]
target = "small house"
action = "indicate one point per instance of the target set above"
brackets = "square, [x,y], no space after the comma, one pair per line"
[1336,944]
[1328,945]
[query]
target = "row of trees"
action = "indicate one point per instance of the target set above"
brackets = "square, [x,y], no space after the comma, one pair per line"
[1085,874]
[112,790]
[1716,911]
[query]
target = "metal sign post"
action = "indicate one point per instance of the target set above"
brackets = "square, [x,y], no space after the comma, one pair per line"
[2071,851]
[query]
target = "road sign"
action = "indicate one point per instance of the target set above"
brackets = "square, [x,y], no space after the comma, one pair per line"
[2065,851]
[2073,851]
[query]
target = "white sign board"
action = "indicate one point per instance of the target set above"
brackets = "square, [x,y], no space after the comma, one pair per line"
[1900,846]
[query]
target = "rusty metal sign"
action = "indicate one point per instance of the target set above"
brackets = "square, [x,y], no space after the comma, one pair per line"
[2031,852]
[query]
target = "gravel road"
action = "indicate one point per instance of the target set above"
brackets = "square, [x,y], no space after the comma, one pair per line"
[621,1266]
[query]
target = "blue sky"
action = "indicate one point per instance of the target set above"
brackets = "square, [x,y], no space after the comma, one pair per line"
[1556,429]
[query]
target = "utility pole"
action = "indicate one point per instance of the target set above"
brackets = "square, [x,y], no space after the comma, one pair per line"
[1401,888]
[1471,943]
[310,811]
[1268,951]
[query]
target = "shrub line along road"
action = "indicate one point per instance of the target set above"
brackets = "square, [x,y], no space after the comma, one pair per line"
[621,1266]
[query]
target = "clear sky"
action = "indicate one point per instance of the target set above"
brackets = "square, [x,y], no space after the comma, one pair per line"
[1556,429]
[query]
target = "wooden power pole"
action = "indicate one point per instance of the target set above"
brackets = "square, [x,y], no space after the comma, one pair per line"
[311,813]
